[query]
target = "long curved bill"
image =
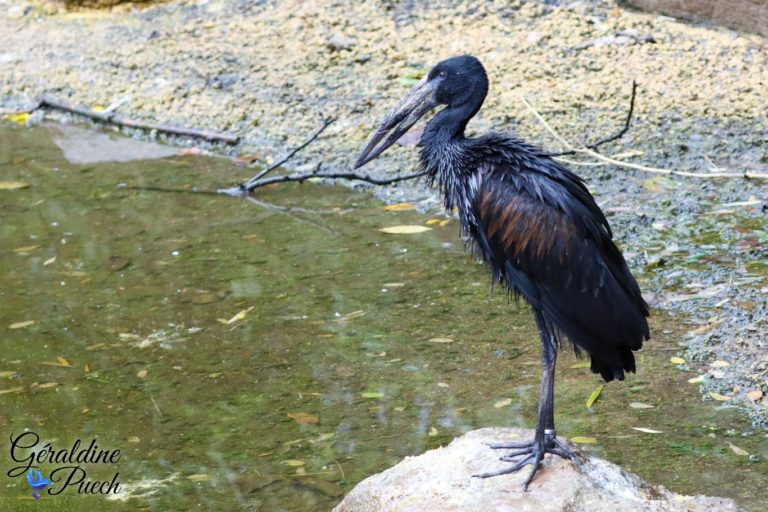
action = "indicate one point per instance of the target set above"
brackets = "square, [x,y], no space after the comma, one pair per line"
[417,102]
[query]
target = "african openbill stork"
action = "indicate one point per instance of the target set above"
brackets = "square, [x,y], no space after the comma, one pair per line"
[536,226]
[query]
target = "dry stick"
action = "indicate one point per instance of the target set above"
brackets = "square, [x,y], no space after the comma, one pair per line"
[639,167]
[613,137]
[299,178]
[110,118]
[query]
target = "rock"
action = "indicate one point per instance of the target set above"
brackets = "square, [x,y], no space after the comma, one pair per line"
[440,481]
[751,15]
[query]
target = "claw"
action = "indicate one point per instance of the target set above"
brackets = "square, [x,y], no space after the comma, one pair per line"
[533,452]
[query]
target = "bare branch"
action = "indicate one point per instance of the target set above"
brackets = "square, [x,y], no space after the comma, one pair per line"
[613,161]
[110,118]
[613,137]
[247,186]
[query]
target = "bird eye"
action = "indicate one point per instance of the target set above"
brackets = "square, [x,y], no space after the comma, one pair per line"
[442,74]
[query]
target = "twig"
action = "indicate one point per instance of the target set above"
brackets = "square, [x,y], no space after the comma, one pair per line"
[300,178]
[110,118]
[247,186]
[639,167]
[613,137]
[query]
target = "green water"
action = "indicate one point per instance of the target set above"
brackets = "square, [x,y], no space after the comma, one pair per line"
[378,346]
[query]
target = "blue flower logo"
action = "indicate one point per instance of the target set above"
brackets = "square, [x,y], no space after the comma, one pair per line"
[37,482]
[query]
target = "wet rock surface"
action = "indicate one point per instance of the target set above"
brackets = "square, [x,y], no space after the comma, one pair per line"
[440,480]
[270,71]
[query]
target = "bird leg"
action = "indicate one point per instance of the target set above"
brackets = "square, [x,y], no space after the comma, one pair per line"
[544,441]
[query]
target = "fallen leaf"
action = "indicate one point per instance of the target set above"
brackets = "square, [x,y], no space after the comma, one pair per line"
[142,374]
[47,385]
[647,430]
[372,394]
[696,380]
[737,450]
[583,440]
[399,207]
[26,248]
[239,316]
[718,396]
[581,364]
[292,462]
[754,395]
[502,403]
[443,223]
[441,340]
[593,397]
[432,432]
[11,390]
[432,221]
[19,118]
[21,325]
[13,185]
[676,360]
[9,374]
[405,229]
[641,405]
[443,385]
[719,364]
[303,418]
[134,439]
[199,477]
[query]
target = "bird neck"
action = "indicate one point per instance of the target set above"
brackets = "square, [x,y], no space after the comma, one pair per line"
[448,125]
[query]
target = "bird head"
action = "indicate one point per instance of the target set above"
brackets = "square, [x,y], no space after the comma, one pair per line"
[458,83]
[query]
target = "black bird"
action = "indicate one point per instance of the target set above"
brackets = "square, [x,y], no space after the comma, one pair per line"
[536,226]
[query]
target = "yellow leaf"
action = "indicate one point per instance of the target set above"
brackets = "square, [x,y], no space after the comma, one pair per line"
[293,462]
[198,477]
[142,374]
[719,364]
[737,450]
[583,440]
[26,248]
[18,118]
[647,430]
[641,405]
[399,207]
[49,261]
[432,221]
[98,108]
[21,325]
[303,418]
[11,390]
[753,395]
[502,403]
[134,439]
[581,364]
[441,340]
[405,229]
[676,360]
[443,223]
[63,362]
[47,385]
[13,185]
[239,316]
[432,432]
[696,380]
[593,397]
[9,375]
[718,396]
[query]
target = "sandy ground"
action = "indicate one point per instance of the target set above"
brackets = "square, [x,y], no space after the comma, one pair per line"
[269,71]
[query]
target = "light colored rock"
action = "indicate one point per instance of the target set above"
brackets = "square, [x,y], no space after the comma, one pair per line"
[751,15]
[440,481]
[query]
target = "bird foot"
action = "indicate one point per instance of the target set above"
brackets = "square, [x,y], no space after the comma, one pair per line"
[530,452]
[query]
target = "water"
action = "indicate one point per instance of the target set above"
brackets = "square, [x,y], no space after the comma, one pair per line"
[355,348]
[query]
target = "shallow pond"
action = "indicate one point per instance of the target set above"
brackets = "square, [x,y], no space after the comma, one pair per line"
[244,358]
